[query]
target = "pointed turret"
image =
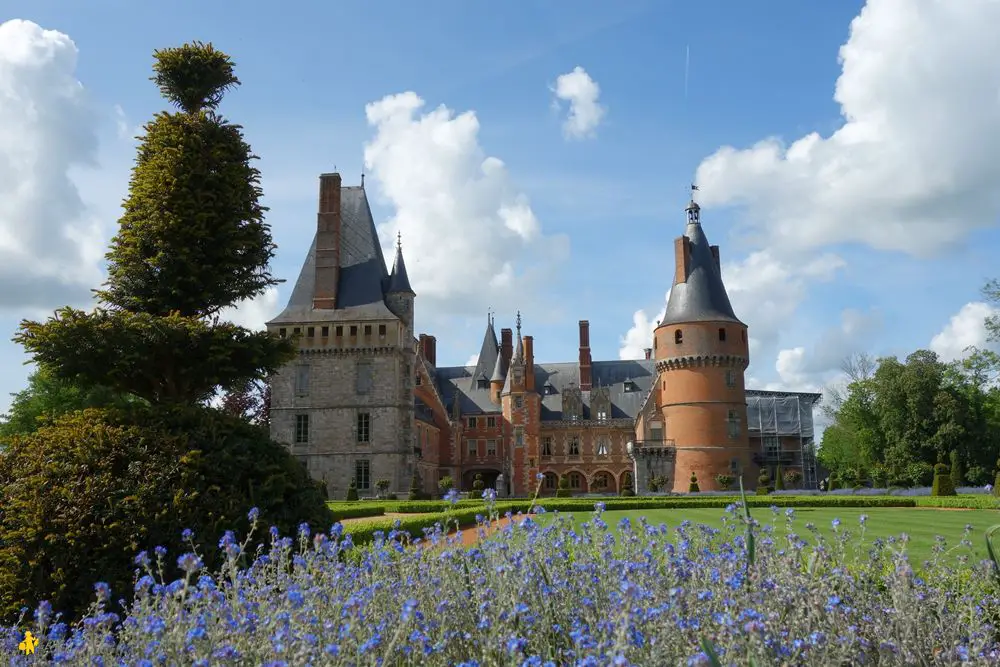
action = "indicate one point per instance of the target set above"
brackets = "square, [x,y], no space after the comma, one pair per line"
[698,294]
[497,379]
[488,353]
[399,282]
[515,374]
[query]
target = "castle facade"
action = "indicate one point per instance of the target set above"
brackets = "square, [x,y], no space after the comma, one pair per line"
[365,400]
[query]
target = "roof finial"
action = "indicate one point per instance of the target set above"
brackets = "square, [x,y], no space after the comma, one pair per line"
[518,323]
[399,240]
[694,217]
[362,178]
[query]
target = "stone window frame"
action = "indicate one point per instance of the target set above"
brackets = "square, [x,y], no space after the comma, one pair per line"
[546,446]
[363,427]
[302,379]
[301,435]
[491,447]
[362,474]
[573,446]
[603,447]
[733,424]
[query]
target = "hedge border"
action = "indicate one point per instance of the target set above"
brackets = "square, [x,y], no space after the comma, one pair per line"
[364,531]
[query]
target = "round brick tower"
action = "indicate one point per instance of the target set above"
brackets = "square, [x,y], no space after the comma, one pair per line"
[701,353]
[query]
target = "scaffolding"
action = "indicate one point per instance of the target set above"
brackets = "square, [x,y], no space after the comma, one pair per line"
[777,417]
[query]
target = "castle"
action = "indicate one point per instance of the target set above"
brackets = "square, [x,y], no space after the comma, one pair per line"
[366,401]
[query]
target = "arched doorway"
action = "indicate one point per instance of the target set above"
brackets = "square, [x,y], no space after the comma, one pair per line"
[603,482]
[489,478]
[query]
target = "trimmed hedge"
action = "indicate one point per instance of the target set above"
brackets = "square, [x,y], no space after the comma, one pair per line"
[364,531]
[356,511]
[977,502]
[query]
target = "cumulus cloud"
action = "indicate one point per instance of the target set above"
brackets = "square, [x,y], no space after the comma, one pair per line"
[765,292]
[581,93]
[470,237]
[50,248]
[802,369]
[965,329]
[912,168]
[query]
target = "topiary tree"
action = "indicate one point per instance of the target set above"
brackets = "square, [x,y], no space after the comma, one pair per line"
[192,241]
[996,481]
[446,484]
[956,470]
[942,485]
[693,485]
[352,491]
[416,488]
[793,478]
[764,483]
[477,482]
[563,491]
[779,479]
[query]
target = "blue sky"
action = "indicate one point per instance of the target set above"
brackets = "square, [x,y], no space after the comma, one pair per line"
[875,236]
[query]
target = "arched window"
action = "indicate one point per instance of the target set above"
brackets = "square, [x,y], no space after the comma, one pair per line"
[602,482]
[551,481]
[575,480]
[678,336]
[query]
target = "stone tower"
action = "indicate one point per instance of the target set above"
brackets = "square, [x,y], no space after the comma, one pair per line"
[345,406]
[521,407]
[701,353]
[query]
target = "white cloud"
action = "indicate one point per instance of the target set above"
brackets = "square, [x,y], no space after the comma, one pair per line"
[50,248]
[254,313]
[473,360]
[965,329]
[582,94]
[765,293]
[913,166]
[801,369]
[469,235]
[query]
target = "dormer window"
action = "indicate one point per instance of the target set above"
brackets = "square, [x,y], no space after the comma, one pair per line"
[678,337]
[722,335]
[482,382]
[630,387]
[548,389]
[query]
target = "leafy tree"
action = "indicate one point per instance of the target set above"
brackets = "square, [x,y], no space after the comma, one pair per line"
[252,403]
[46,398]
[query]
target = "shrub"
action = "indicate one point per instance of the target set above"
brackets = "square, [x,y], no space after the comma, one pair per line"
[445,484]
[880,476]
[657,483]
[352,491]
[416,492]
[382,486]
[943,485]
[82,496]
[764,483]
[693,485]
[977,476]
[563,491]
[834,483]
[779,479]
[627,493]
[477,482]
[957,475]
[996,481]
[919,473]
[793,478]
[725,482]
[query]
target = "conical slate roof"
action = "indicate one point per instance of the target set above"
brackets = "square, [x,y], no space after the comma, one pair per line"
[498,370]
[399,281]
[702,296]
[488,354]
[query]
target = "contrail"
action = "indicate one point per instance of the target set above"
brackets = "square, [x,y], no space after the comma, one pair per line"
[687,69]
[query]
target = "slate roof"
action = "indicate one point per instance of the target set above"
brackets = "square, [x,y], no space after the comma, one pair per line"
[702,297]
[485,365]
[640,375]
[399,281]
[363,275]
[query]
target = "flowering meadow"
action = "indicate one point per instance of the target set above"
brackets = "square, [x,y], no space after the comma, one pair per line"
[556,592]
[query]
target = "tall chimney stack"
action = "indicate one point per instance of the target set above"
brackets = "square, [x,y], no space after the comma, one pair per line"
[428,348]
[327,243]
[649,353]
[506,346]
[585,361]
[529,363]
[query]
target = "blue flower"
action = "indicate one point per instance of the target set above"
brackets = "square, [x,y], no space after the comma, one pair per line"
[190,563]
[253,515]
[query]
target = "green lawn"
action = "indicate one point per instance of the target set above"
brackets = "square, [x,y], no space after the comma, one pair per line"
[922,525]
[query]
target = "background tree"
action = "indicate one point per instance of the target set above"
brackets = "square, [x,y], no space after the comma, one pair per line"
[95,487]
[47,398]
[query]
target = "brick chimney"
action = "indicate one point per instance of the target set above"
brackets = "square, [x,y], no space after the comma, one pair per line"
[649,353]
[506,346]
[327,243]
[682,259]
[428,348]
[529,363]
[715,256]
[585,367]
